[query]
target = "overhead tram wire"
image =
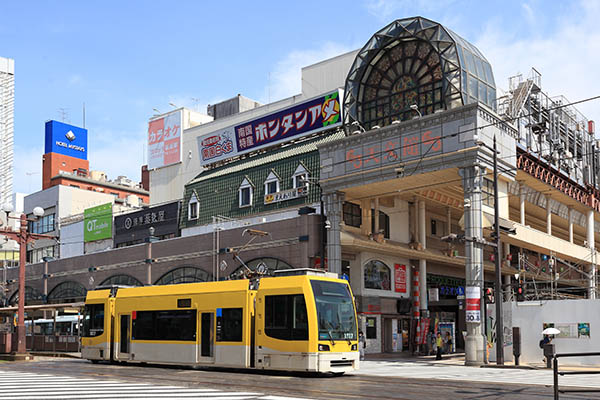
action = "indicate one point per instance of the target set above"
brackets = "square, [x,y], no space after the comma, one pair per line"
[447,136]
[431,145]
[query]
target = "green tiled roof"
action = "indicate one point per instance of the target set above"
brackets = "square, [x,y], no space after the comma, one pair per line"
[217,190]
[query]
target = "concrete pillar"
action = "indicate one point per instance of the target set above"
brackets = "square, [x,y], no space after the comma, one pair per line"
[376,215]
[422,262]
[365,224]
[507,289]
[592,245]
[412,221]
[548,215]
[333,206]
[522,202]
[570,217]
[474,341]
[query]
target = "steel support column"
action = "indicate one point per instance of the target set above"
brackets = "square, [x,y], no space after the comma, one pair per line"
[334,216]
[422,261]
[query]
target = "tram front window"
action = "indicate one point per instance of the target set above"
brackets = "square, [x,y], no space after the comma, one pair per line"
[335,311]
[93,320]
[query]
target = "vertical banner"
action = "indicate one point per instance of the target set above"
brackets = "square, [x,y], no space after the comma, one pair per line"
[164,140]
[473,297]
[400,278]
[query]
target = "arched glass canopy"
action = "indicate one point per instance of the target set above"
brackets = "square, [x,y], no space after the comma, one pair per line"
[415,62]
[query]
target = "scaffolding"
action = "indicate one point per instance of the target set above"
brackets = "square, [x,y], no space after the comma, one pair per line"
[551,129]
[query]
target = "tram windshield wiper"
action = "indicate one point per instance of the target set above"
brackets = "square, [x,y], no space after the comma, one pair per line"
[329,332]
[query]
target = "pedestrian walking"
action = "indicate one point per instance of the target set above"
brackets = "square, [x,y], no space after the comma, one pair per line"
[547,339]
[448,341]
[362,344]
[439,343]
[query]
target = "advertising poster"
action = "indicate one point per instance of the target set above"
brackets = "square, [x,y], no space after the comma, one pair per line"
[473,298]
[97,223]
[164,140]
[400,278]
[291,123]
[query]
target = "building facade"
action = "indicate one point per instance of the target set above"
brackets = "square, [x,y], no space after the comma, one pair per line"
[7,118]
[407,185]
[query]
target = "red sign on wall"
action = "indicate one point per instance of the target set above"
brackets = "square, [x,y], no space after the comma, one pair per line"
[400,278]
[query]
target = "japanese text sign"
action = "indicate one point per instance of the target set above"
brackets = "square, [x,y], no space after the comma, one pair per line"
[409,146]
[302,119]
[400,278]
[473,297]
[164,140]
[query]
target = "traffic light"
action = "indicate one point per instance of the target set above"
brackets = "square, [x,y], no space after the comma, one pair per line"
[520,292]
[489,295]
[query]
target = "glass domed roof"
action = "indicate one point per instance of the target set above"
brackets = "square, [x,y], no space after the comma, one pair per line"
[415,64]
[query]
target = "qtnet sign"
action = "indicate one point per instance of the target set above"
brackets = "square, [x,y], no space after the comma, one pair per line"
[66,139]
[97,223]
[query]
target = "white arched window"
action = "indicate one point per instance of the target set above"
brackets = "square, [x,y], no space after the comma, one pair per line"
[245,193]
[193,207]
[272,183]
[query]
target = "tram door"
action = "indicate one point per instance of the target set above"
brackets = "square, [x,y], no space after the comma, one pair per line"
[206,336]
[124,342]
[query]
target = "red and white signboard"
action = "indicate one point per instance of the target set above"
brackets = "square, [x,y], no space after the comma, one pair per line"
[164,140]
[473,297]
[400,278]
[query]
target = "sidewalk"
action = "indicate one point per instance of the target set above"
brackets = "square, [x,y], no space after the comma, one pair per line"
[451,367]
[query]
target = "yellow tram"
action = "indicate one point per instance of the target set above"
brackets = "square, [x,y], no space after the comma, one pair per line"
[299,320]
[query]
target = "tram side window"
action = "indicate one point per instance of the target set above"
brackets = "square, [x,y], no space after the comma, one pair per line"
[165,325]
[93,320]
[286,317]
[229,325]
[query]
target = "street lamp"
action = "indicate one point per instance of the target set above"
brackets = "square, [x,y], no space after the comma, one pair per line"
[415,107]
[22,236]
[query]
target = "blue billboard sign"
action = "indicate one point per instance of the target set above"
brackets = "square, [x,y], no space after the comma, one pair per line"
[66,139]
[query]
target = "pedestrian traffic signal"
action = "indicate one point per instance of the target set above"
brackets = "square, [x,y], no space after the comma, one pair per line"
[520,292]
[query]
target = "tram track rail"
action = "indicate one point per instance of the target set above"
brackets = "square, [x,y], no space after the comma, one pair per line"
[351,386]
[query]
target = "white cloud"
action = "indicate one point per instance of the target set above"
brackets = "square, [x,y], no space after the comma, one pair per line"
[286,79]
[567,57]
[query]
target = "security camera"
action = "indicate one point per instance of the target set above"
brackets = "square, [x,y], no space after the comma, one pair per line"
[467,203]
[327,224]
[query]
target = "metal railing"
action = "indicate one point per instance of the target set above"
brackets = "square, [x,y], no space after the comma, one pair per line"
[556,372]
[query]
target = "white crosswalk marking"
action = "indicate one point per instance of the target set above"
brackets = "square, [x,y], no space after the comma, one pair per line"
[25,385]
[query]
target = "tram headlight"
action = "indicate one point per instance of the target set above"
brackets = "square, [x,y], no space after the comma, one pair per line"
[354,347]
[323,347]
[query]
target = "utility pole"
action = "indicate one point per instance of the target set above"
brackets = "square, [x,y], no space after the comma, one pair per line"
[22,236]
[498,291]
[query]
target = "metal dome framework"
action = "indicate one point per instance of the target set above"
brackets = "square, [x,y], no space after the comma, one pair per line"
[415,61]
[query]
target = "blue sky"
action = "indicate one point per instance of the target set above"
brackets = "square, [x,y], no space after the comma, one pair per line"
[125,58]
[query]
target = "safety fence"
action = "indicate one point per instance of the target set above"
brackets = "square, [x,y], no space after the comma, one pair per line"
[557,372]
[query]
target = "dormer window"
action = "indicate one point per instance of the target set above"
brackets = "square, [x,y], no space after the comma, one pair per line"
[245,193]
[300,177]
[272,183]
[193,207]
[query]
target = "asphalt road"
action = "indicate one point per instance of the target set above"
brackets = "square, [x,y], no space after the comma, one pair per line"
[350,386]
